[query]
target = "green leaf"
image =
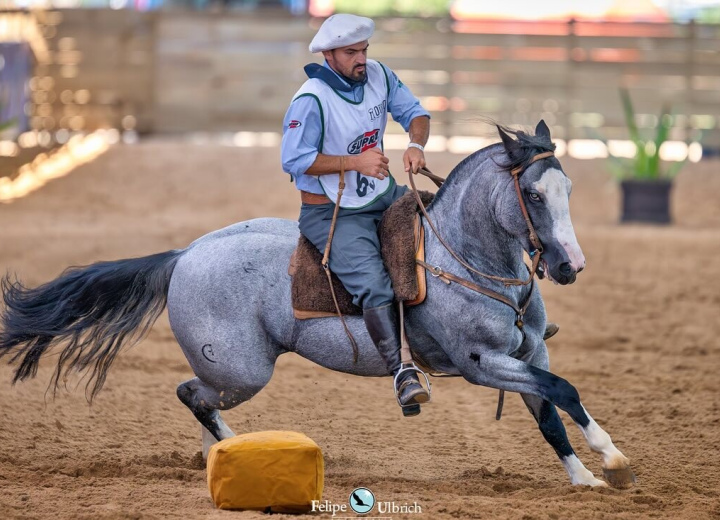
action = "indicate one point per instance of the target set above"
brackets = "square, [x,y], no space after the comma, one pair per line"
[663,131]
[619,167]
[642,161]
[629,113]
[675,168]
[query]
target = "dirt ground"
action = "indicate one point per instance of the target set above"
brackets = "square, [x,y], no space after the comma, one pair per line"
[639,340]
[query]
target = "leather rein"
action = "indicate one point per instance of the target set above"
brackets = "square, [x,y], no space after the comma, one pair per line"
[536,254]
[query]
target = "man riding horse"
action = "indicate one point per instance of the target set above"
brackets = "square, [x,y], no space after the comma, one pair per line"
[335,123]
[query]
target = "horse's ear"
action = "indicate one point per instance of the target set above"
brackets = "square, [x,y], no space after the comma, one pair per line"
[542,129]
[510,144]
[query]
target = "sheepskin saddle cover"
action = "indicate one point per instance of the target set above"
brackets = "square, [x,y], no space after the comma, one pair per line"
[311,297]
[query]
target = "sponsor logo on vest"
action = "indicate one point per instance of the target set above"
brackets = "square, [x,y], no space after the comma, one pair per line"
[294,124]
[364,142]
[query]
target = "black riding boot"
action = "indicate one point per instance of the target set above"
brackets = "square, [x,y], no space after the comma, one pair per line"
[382,324]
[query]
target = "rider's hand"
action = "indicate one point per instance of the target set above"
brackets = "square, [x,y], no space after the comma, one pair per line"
[414,159]
[372,163]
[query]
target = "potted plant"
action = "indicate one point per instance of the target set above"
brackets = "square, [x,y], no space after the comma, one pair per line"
[645,180]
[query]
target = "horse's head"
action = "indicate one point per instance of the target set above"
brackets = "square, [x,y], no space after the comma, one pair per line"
[545,191]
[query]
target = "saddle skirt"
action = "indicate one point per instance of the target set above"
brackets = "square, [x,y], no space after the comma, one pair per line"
[402,241]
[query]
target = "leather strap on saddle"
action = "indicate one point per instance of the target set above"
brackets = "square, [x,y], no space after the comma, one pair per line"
[419,234]
[438,272]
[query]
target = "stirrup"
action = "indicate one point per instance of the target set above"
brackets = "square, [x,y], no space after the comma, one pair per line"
[414,408]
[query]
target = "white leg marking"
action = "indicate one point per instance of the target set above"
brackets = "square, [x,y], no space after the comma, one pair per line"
[225,431]
[600,442]
[579,474]
[208,440]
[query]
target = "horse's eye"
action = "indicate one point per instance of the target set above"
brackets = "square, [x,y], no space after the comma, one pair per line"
[535,197]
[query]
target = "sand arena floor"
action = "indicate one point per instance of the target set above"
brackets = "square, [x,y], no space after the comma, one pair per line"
[639,340]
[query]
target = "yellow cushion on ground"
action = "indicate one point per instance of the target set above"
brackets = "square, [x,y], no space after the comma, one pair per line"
[283,471]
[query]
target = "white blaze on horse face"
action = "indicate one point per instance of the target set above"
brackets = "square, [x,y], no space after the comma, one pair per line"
[554,185]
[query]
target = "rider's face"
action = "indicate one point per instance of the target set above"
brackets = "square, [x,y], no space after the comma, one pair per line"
[349,61]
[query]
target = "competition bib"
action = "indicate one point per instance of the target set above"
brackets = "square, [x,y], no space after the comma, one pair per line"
[351,128]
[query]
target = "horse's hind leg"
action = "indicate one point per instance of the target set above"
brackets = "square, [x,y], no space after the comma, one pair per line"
[205,402]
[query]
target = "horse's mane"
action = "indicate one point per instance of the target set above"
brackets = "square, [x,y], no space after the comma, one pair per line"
[528,145]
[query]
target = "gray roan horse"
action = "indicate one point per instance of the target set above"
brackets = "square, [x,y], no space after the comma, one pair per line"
[228,298]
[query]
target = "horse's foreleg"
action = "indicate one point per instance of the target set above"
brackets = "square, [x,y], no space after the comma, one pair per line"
[500,371]
[552,427]
[616,466]
[553,430]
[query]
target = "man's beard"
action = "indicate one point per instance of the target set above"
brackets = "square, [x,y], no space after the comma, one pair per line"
[359,75]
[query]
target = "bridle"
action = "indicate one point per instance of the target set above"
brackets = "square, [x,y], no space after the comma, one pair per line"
[535,255]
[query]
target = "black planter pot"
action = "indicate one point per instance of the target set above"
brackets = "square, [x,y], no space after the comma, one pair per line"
[646,201]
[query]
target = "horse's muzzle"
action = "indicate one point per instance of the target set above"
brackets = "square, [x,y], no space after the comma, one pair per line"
[567,274]
[563,274]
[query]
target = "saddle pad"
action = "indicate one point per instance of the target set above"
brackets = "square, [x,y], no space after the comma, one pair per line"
[311,297]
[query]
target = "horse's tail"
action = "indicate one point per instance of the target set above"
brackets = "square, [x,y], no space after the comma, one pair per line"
[93,310]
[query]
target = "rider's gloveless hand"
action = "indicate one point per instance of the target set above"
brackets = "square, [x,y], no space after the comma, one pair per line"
[413,159]
[372,163]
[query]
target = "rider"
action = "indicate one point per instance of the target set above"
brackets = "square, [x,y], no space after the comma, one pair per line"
[335,122]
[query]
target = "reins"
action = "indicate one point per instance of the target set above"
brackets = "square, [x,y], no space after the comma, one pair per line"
[326,258]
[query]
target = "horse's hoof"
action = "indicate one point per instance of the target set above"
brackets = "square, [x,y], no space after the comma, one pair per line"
[620,478]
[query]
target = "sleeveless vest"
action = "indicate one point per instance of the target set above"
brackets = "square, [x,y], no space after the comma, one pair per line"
[350,128]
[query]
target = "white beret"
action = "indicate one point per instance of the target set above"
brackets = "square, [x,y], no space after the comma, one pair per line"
[341,30]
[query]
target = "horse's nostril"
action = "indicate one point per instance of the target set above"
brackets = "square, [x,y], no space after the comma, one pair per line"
[565,269]
[581,268]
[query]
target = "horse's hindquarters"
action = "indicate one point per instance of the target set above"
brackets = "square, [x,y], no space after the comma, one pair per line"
[229,300]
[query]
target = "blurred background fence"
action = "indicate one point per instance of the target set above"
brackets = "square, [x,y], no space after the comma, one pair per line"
[178,71]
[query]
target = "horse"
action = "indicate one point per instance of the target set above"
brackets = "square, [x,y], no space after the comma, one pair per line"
[228,299]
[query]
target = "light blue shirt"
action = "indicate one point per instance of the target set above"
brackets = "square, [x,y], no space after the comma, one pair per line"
[300,146]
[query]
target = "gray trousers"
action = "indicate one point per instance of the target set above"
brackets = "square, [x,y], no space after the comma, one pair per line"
[355,252]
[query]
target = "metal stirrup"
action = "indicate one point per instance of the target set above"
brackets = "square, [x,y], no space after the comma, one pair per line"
[406,362]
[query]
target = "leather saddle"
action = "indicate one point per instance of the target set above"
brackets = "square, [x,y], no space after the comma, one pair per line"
[402,241]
